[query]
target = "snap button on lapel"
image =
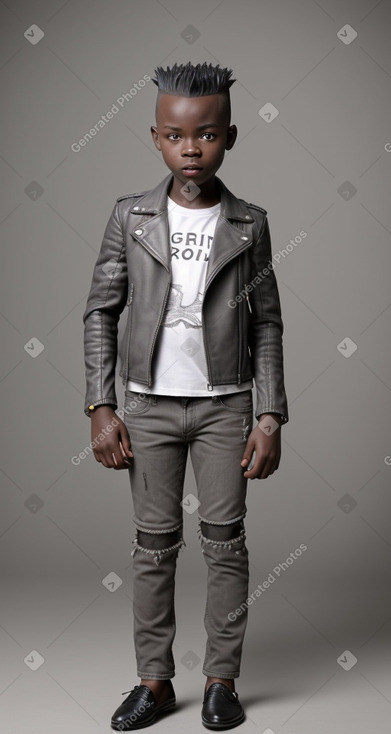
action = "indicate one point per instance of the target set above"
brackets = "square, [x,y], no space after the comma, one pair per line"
[140,231]
[136,208]
[248,216]
[244,238]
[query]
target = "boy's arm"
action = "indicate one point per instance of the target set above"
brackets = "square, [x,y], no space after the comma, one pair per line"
[266,332]
[264,443]
[105,303]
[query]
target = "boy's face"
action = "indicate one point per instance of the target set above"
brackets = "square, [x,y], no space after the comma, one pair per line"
[193,134]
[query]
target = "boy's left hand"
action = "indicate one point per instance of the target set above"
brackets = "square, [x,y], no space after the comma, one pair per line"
[265,441]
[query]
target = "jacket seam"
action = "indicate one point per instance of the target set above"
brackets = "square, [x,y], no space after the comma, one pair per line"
[267,359]
[100,313]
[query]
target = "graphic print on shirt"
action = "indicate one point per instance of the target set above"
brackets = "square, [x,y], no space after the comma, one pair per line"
[175,313]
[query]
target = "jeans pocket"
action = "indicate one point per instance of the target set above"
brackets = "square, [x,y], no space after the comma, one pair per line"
[136,403]
[237,402]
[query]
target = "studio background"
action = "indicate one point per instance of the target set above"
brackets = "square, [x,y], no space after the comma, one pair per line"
[311,103]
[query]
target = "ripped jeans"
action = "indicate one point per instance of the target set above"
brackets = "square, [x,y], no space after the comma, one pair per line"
[162,428]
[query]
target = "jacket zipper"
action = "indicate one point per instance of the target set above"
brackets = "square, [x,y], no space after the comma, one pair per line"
[240,313]
[156,333]
[127,343]
[209,384]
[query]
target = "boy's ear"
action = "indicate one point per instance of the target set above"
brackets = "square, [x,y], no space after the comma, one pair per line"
[232,134]
[155,137]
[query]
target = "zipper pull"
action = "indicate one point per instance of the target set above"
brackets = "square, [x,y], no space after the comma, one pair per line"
[130,295]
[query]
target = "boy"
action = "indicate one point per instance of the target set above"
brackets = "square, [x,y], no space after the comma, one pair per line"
[192,263]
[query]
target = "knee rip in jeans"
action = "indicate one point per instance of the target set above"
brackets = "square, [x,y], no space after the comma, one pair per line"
[158,542]
[221,535]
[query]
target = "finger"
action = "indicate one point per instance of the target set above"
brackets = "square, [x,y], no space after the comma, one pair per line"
[126,453]
[251,473]
[120,463]
[256,470]
[109,460]
[268,469]
[125,459]
[248,452]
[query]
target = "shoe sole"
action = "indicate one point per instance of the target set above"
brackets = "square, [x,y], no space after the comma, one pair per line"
[162,709]
[222,725]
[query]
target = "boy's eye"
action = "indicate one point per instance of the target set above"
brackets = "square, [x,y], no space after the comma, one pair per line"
[175,136]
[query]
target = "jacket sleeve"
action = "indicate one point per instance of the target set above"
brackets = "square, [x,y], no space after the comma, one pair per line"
[105,302]
[266,330]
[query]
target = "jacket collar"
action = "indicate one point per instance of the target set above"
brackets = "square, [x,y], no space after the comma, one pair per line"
[229,239]
[155,201]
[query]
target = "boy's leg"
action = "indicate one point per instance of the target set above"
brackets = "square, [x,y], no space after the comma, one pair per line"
[156,478]
[222,425]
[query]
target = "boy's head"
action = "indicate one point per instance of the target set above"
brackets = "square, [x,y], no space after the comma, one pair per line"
[193,113]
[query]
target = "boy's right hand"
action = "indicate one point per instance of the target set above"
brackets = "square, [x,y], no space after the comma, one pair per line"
[114,449]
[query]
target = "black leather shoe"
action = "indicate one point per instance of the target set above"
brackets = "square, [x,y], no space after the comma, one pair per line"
[221,708]
[140,709]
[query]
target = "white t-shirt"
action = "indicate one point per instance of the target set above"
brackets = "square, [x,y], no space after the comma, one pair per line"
[179,360]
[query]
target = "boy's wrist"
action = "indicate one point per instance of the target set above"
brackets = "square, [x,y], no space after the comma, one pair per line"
[269,422]
[93,408]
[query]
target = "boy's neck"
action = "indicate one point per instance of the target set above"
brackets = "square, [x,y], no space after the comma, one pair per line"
[208,196]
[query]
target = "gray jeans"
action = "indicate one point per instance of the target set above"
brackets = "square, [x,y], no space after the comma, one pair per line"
[161,429]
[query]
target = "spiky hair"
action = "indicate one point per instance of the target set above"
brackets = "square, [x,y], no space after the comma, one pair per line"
[186,80]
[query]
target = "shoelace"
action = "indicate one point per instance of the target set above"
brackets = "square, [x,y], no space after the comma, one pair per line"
[133,689]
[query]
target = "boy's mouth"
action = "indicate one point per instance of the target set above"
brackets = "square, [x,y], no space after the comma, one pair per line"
[191,170]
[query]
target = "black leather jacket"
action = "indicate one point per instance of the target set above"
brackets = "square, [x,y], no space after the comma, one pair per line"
[241,314]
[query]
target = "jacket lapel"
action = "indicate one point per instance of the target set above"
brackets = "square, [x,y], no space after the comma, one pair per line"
[230,237]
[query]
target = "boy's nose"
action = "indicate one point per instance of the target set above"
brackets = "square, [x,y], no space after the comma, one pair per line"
[190,149]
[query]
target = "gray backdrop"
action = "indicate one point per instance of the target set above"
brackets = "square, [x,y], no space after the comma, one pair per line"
[312,107]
